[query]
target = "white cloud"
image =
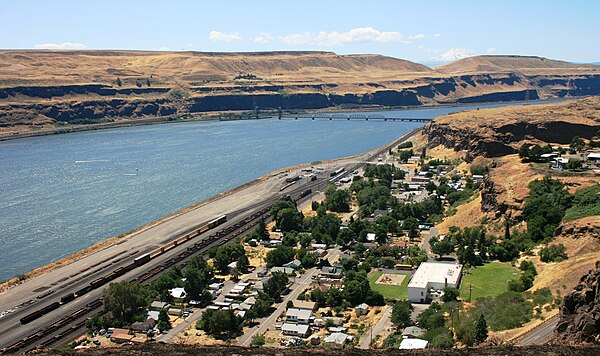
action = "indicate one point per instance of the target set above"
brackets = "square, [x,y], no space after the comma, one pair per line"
[263,37]
[356,35]
[419,36]
[419,47]
[227,37]
[437,35]
[64,45]
[453,54]
[491,50]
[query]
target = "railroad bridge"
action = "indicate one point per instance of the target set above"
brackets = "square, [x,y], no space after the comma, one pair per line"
[325,116]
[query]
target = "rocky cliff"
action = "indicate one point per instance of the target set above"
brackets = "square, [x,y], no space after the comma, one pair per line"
[580,311]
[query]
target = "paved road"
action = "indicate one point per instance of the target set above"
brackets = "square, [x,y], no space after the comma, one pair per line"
[541,334]
[266,323]
[383,326]
[425,244]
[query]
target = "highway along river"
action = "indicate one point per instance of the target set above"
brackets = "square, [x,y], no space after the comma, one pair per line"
[62,193]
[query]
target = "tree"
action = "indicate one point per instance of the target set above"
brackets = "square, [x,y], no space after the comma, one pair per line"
[119,83]
[577,144]
[574,164]
[164,323]
[289,219]
[148,81]
[280,256]
[125,301]
[450,294]
[441,247]
[553,253]
[481,331]
[221,323]
[257,340]
[242,264]
[337,199]
[276,285]
[401,313]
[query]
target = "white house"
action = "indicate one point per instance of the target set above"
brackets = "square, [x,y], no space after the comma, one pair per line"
[298,315]
[370,237]
[337,339]
[300,330]
[362,309]
[432,276]
[413,344]
[177,293]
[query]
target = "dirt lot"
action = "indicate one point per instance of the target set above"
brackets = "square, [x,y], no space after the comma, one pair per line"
[391,279]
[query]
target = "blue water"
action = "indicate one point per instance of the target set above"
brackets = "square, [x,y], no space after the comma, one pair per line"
[62,193]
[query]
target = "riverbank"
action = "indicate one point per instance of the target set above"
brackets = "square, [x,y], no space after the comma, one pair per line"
[214,116]
[112,241]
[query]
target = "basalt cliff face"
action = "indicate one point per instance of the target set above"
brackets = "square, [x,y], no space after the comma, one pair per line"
[45,88]
[580,311]
[499,132]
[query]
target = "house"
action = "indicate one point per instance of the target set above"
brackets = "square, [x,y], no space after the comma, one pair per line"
[295,264]
[593,158]
[413,344]
[379,212]
[174,311]
[153,314]
[432,276]
[293,315]
[121,335]
[158,305]
[413,332]
[318,246]
[478,178]
[143,326]
[335,272]
[337,339]
[321,252]
[287,270]
[300,330]
[302,304]
[177,293]
[559,163]
[232,266]
[371,237]
[215,286]
[362,309]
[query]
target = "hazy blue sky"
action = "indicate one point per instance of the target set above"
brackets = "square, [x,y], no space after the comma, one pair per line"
[415,30]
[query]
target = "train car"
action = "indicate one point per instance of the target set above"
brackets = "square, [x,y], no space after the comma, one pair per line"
[336,172]
[216,222]
[140,260]
[38,313]
[67,298]
[83,291]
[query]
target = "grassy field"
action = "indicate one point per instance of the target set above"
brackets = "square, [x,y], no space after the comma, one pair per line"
[488,280]
[390,291]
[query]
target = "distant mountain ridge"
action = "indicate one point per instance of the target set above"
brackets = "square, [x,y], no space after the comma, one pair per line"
[42,88]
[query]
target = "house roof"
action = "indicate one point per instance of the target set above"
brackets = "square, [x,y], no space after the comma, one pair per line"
[370,236]
[362,306]
[301,314]
[413,331]
[159,305]
[302,304]
[332,271]
[177,292]
[410,344]
[286,270]
[153,314]
[337,338]
[435,272]
[293,264]
[594,155]
[295,328]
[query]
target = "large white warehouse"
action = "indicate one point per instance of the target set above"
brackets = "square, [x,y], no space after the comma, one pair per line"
[432,277]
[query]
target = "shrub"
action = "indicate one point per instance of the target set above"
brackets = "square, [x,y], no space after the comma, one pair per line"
[553,253]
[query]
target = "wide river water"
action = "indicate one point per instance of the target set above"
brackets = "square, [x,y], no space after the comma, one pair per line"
[62,193]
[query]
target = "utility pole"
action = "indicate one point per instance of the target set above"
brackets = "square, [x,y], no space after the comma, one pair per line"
[470,290]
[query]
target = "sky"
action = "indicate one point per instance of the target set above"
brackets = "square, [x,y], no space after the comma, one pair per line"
[422,31]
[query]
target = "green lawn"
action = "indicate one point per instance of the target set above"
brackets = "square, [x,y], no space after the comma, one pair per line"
[390,291]
[488,280]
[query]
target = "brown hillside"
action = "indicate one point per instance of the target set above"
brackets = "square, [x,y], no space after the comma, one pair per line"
[526,64]
[84,67]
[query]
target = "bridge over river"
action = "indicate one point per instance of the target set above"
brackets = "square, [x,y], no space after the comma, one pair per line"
[366,117]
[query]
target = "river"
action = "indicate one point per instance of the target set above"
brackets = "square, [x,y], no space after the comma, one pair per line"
[62,193]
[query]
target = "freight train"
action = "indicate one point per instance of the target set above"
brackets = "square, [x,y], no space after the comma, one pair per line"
[138,261]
